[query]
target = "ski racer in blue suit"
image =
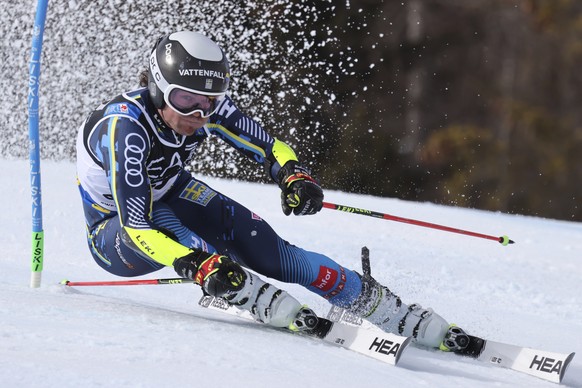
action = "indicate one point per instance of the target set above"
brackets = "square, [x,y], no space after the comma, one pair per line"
[145,211]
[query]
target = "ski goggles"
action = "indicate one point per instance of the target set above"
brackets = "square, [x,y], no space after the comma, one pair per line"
[186,102]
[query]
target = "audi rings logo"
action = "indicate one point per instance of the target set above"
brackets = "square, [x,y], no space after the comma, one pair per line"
[134,153]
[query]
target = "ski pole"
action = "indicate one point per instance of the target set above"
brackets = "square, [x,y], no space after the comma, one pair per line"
[503,240]
[138,282]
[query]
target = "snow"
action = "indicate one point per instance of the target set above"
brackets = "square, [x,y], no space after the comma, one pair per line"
[151,336]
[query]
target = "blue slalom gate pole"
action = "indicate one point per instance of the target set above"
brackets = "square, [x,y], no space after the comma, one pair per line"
[33,130]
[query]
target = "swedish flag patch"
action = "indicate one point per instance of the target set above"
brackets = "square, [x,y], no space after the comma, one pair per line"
[198,193]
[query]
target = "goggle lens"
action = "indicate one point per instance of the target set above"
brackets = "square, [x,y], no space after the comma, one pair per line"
[187,103]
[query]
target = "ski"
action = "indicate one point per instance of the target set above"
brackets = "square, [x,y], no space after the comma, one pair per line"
[545,365]
[375,343]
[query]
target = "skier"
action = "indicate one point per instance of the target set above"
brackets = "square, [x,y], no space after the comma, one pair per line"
[145,211]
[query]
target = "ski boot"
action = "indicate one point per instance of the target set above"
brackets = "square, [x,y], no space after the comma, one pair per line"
[377,304]
[271,305]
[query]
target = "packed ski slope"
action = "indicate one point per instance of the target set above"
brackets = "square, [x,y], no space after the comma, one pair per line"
[528,293]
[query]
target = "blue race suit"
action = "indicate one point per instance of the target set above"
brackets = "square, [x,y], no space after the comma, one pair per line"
[144,210]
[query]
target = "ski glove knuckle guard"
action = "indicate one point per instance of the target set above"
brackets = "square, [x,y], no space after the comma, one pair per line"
[300,192]
[216,274]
